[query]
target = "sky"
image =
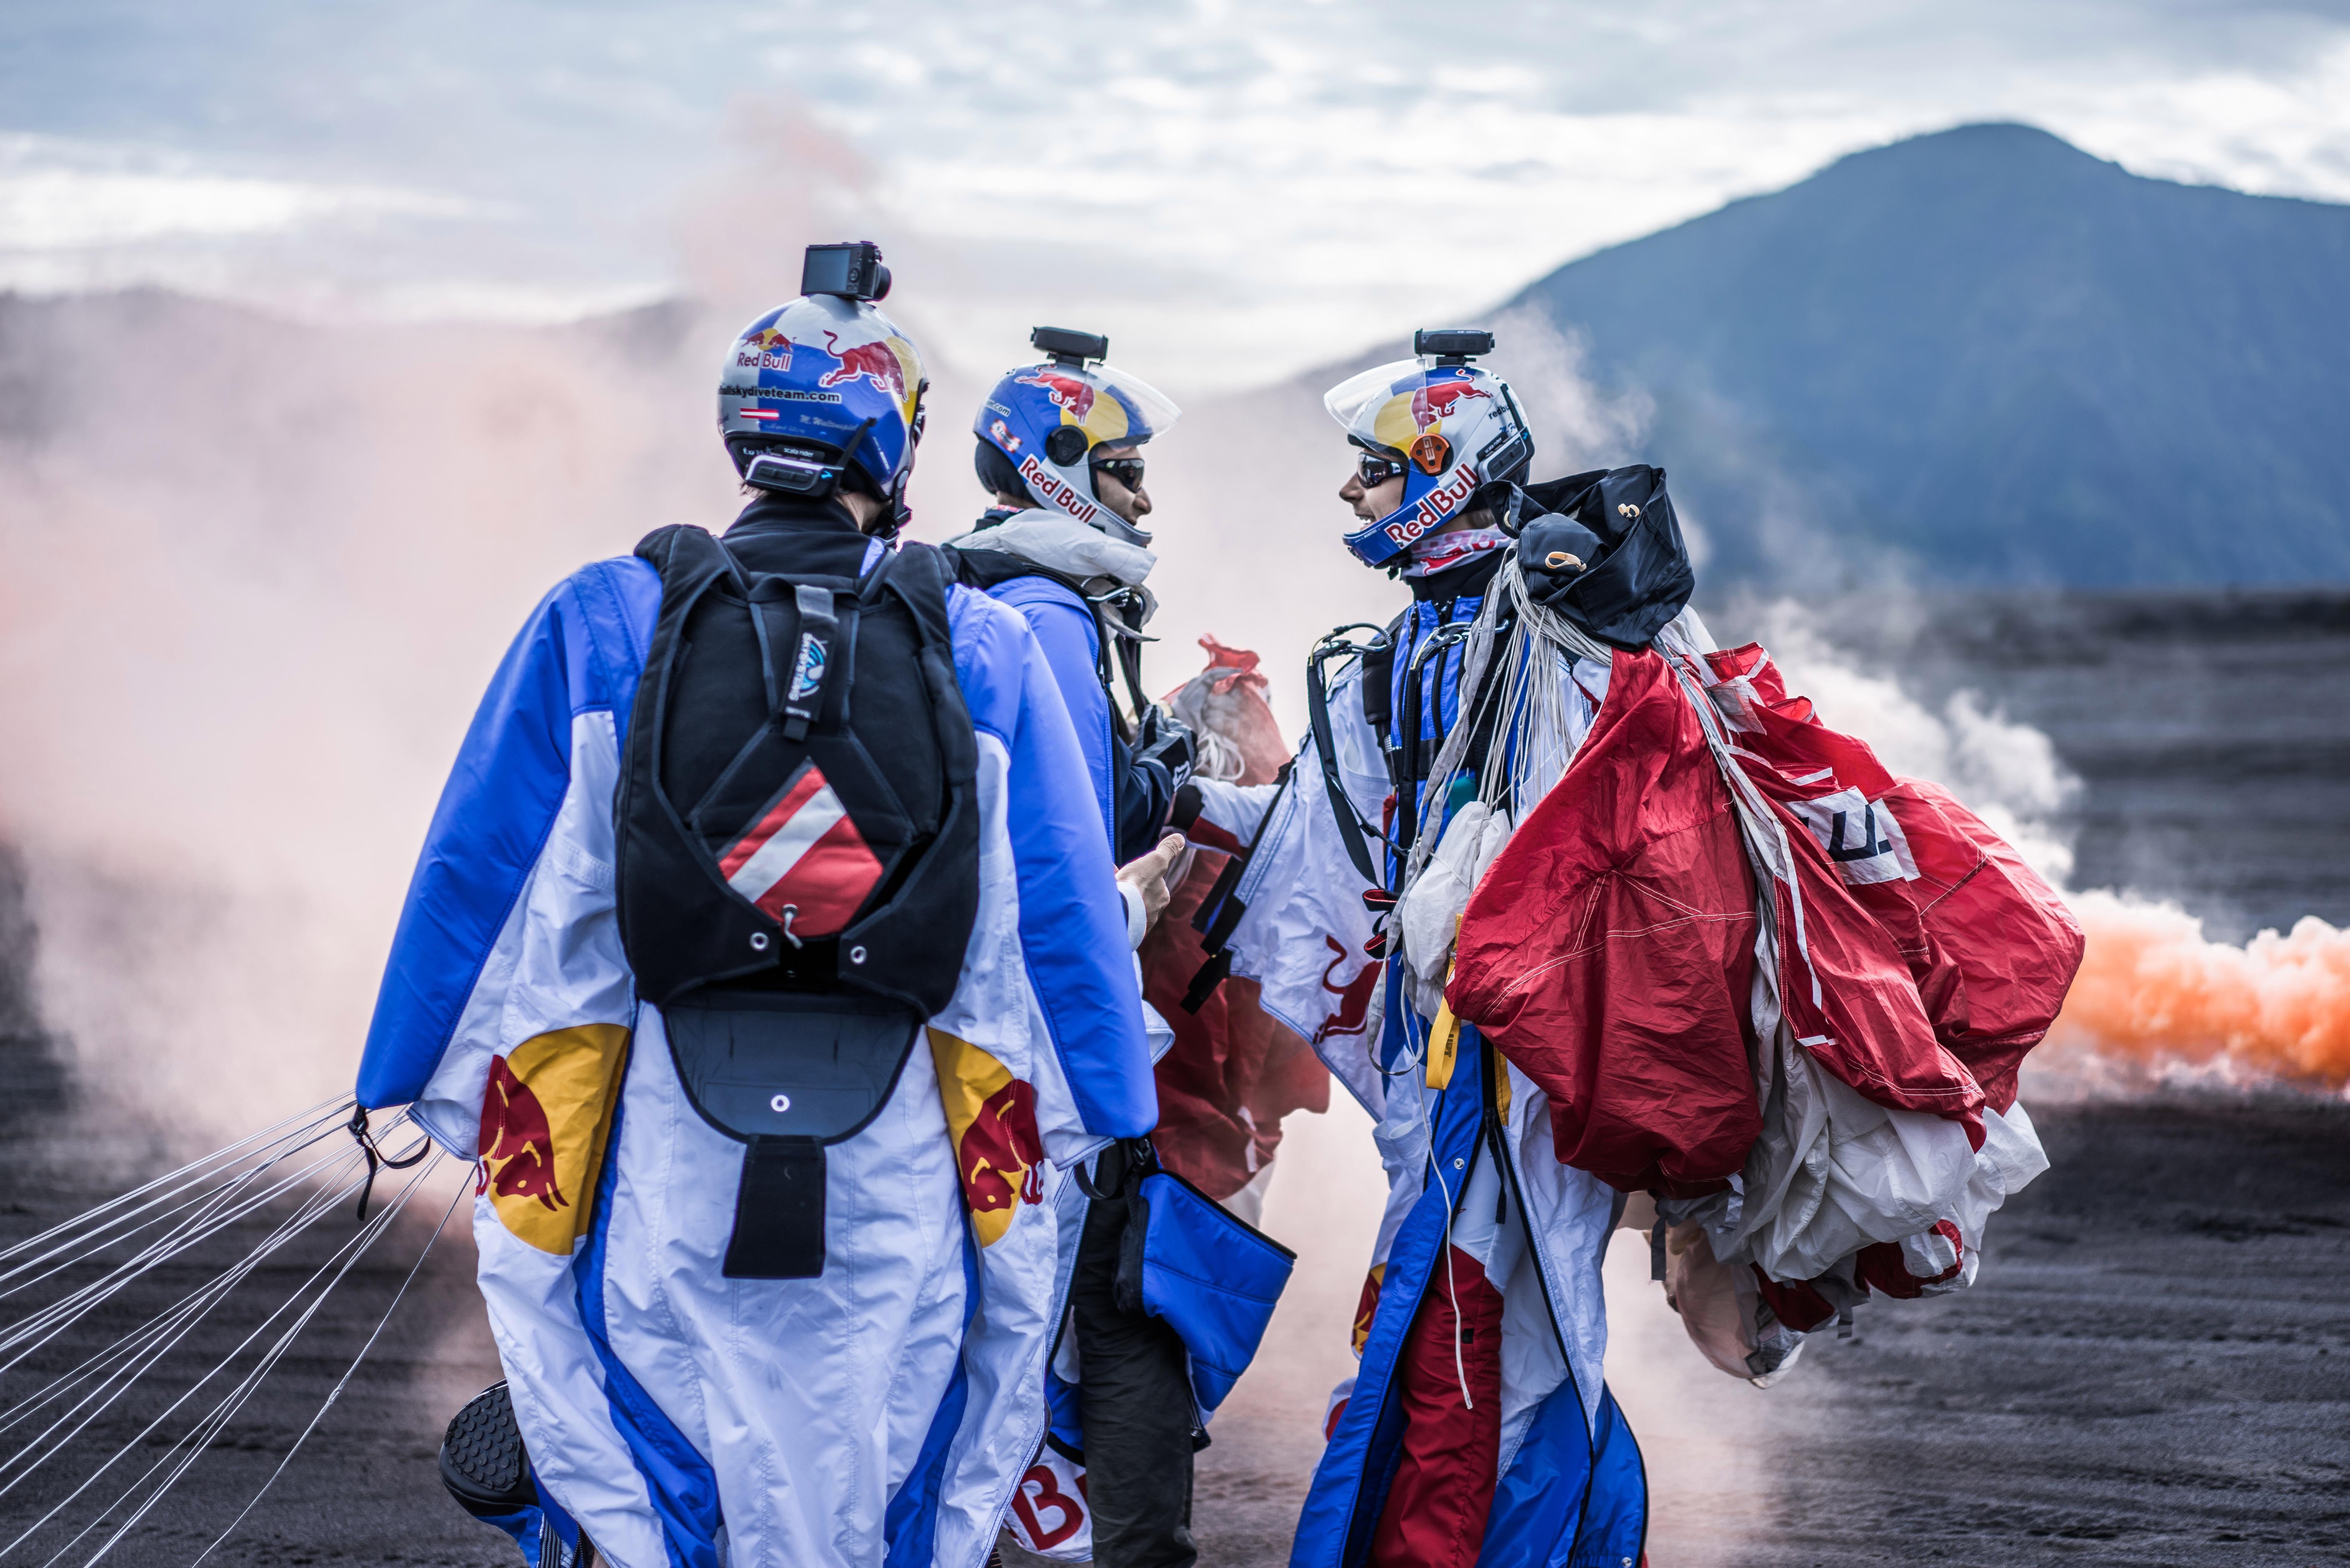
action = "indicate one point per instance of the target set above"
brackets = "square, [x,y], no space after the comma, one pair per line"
[1232,192]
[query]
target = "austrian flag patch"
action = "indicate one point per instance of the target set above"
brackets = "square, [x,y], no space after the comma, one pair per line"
[802,855]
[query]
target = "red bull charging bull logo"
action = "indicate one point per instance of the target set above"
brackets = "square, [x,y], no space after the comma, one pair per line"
[518,1145]
[1442,400]
[1074,395]
[1351,1014]
[763,350]
[876,362]
[1001,1153]
[991,1118]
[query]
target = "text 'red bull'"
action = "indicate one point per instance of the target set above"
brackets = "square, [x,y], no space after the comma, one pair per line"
[1050,489]
[518,1145]
[1002,1154]
[1451,494]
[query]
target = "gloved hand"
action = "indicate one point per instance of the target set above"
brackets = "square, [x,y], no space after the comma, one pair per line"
[1167,741]
[1553,551]
[1148,877]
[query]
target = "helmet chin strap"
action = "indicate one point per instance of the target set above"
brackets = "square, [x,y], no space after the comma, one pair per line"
[1378,544]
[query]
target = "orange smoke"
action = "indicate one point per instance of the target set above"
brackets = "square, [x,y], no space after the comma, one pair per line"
[2154,989]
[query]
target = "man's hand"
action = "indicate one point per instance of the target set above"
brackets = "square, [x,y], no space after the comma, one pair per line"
[1148,876]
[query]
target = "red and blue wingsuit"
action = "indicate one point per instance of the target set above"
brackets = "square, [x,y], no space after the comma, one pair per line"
[1478,1427]
[1642,924]
[881,1411]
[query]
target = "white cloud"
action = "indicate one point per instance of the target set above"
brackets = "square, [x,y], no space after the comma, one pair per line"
[1236,192]
[58,195]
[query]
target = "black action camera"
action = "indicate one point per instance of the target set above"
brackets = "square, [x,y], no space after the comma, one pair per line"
[1452,345]
[1070,347]
[852,271]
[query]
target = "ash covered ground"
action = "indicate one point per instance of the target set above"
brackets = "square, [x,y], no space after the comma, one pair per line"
[2154,1367]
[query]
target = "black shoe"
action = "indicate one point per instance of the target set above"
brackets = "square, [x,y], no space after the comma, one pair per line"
[483,1462]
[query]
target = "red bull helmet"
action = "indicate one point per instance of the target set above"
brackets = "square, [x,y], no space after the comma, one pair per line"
[1047,420]
[818,386]
[1453,426]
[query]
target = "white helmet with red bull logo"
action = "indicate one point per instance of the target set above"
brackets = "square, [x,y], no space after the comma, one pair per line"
[822,389]
[1450,427]
[1047,420]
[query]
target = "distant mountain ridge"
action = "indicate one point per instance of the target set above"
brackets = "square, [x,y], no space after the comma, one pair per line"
[1984,357]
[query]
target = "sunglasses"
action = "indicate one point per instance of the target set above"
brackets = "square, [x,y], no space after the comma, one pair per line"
[1127,470]
[1375,470]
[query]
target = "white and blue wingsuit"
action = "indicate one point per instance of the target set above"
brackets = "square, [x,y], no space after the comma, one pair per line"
[881,1413]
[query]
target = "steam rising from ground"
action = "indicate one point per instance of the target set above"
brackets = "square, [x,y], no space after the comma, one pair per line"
[2157,1002]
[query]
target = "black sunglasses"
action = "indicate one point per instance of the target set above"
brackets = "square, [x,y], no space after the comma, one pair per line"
[1375,470]
[1127,470]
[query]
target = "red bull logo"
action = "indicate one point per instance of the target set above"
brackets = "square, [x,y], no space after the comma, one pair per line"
[1072,394]
[1442,400]
[1051,489]
[874,361]
[765,350]
[1451,494]
[1001,1154]
[1353,999]
[517,1145]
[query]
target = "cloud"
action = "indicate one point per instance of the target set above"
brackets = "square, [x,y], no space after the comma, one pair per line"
[1238,193]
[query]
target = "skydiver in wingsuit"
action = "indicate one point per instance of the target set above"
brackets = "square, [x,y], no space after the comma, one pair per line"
[766,952]
[1581,907]
[1059,452]
[770,951]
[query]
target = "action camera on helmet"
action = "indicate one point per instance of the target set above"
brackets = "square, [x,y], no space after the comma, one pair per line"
[1451,345]
[852,271]
[1070,347]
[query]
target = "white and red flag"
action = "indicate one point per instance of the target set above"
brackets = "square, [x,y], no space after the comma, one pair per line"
[804,853]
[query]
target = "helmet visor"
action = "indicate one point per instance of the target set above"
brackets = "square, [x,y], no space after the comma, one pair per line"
[1148,412]
[1356,402]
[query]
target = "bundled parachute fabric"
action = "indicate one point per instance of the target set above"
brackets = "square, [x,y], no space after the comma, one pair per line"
[111,1430]
[1989,947]
[1758,975]
[1235,1070]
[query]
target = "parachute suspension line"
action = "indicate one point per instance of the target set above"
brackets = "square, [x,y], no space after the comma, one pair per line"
[149,1345]
[61,1240]
[1452,1206]
[376,1159]
[191,1446]
[214,1211]
[201,1438]
[343,1381]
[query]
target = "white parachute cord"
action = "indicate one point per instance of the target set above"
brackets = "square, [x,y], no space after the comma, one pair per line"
[342,1383]
[75,1248]
[211,1218]
[194,1170]
[141,1350]
[45,1325]
[199,1438]
[1460,1369]
[346,1255]
[175,1325]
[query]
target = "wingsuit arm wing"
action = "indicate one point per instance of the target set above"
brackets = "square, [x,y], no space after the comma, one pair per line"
[571,672]
[1073,932]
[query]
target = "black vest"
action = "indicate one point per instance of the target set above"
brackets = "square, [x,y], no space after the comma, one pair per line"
[799,843]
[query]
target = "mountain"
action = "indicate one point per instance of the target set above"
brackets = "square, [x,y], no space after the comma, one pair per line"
[1985,357]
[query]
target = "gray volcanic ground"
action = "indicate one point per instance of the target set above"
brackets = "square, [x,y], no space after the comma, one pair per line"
[2154,1366]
